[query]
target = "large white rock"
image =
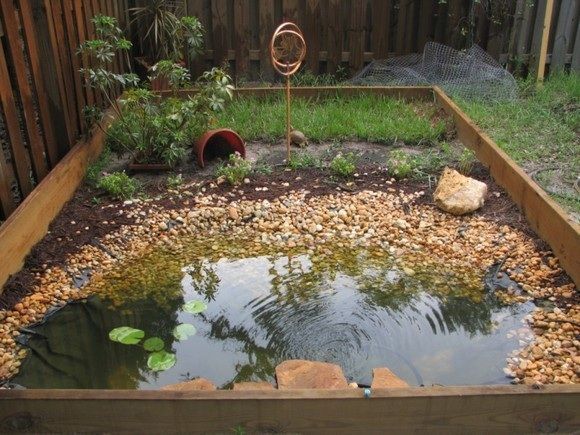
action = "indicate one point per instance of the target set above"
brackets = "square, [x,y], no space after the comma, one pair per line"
[458,194]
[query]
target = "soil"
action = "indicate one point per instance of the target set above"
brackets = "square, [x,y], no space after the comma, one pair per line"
[82,220]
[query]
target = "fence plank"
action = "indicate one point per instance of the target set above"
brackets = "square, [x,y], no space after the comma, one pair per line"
[543,22]
[242,39]
[266,10]
[220,30]
[82,37]
[567,23]
[7,179]
[90,34]
[356,35]
[42,98]
[335,36]
[19,154]
[10,21]
[292,11]
[56,32]
[426,21]
[381,28]
[575,64]
[312,33]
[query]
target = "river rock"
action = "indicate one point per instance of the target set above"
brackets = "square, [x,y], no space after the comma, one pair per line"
[458,194]
[199,384]
[384,378]
[252,386]
[302,374]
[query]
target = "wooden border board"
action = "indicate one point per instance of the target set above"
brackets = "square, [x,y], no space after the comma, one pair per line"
[479,409]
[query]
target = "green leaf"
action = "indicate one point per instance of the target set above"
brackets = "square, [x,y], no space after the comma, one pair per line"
[159,361]
[153,344]
[183,331]
[126,335]
[195,307]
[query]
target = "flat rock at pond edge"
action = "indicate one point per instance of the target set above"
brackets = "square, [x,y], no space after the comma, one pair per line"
[458,194]
[251,386]
[302,374]
[193,385]
[384,378]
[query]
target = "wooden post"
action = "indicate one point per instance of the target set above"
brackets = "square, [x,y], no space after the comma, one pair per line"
[540,66]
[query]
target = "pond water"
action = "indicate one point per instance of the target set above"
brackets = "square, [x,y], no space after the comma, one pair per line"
[356,308]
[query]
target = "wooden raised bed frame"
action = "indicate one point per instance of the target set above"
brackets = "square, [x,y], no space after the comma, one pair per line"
[496,409]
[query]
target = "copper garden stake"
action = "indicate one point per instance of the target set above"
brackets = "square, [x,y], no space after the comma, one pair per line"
[287,51]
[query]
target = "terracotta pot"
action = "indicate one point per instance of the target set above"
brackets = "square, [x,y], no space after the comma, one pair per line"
[218,143]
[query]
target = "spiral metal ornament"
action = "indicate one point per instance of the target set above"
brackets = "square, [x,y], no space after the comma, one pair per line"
[287,52]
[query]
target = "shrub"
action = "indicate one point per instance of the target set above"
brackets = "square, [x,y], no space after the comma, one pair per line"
[303,160]
[119,185]
[343,165]
[235,170]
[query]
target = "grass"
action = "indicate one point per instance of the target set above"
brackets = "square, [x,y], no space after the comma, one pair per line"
[540,130]
[365,118]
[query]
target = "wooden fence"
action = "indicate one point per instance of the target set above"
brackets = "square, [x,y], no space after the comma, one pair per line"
[41,93]
[350,33]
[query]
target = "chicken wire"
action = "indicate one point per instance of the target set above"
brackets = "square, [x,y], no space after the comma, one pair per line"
[469,74]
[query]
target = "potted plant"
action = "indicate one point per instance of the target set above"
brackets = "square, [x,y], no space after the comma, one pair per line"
[165,35]
[157,132]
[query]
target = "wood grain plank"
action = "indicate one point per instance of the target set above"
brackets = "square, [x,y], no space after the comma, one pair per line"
[497,410]
[525,34]
[220,30]
[7,179]
[19,154]
[63,69]
[292,10]
[90,34]
[544,215]
[34,57]
[335,36]
[266,12]
[401,23]
[546,20]
[381,28]
[356,36]
[575,62]
[242,37]
[10,22]
[312,33]
[566,25]
[426,24]
[73,60]
[79,16]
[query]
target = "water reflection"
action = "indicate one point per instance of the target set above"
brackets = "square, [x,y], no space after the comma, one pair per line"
[355,308]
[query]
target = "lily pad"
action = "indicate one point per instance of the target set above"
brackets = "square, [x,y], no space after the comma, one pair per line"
[162,360]
[183,331]
[126,335]
[153,344]
[195,307]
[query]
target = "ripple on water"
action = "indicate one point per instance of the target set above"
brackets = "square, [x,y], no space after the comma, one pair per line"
[349,307]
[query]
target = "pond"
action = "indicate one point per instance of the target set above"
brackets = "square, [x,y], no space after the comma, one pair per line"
[359,308]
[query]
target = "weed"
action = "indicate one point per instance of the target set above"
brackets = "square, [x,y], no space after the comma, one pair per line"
[95,169]
[174,181]
[401,164]
[303,160]
[119,185]
[261,167]
[466,161]
[343,165]
[235,170]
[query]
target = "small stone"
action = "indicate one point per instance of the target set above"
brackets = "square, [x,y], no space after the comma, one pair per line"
[233,213]
[199,384]
[302,374]
[408,271]
[163,226]
[384,378]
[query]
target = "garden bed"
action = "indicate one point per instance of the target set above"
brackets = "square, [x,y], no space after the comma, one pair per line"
[102,236]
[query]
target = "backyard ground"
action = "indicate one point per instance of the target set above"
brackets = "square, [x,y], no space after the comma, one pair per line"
[364,181]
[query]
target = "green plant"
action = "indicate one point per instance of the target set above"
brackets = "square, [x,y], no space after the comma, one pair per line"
[261,167]
[174,181]
[343,165]
[166,35]
[159,359]
[95,169]
[401,164]
[118,185]
[466,161]
[151,129]
[235,170]
[303,160]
